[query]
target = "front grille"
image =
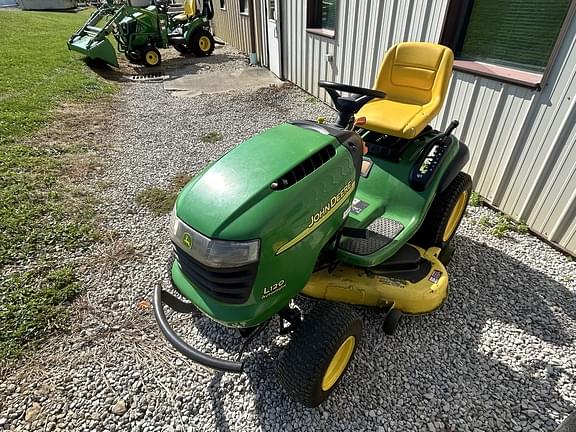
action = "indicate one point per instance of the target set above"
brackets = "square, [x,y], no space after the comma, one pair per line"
[229,285]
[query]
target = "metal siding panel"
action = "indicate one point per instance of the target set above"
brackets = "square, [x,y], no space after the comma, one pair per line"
[510,130]
[557,196]
[315,63]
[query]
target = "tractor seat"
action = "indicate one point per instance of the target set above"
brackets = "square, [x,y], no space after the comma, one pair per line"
[190,10]
[414,76]
[182,17]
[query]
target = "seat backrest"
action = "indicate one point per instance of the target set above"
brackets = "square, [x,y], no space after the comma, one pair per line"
[416,72]
[190,8]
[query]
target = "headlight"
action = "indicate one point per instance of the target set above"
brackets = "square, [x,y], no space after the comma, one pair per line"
[212,253]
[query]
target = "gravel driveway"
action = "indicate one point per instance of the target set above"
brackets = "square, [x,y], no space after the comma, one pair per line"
[500,355]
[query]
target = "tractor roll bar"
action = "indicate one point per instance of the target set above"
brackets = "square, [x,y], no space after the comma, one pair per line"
[162,297]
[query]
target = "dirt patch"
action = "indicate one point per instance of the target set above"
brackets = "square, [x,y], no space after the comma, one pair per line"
[174,64]
[79,126]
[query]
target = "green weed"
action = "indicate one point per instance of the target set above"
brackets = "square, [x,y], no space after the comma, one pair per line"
[485,221]
[475,199]
[212,137]
[161,200]
[33,305]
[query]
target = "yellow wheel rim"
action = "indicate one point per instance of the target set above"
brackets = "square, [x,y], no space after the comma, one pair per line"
[455,216]
[338,363]
[152,58]
[204,43]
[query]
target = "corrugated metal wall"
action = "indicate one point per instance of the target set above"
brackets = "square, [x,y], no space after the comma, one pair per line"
[522,141]
[234,28]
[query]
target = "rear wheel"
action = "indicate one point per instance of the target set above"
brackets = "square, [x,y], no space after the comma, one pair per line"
[445,214]
[319,353]
[202,43]
[568,425]
[151,57]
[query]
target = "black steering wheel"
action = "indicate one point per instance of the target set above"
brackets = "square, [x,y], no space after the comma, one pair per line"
[331,85]
[348,105]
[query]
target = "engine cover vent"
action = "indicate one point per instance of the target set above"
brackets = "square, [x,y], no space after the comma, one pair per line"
[304,168]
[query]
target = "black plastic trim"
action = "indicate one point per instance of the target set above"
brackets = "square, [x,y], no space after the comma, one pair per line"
[349,139]
[412,272]
[456,166]
[229,285]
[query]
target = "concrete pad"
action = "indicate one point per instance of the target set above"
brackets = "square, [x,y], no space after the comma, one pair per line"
[218,82]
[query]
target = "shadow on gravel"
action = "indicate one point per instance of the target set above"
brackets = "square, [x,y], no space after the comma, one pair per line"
[216,398]
[173,64]
[490,359]
[449,368]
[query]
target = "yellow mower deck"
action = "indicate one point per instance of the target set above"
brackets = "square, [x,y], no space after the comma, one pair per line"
[360,286]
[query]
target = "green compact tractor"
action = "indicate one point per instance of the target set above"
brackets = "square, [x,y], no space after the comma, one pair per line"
[140,32]
[360,212]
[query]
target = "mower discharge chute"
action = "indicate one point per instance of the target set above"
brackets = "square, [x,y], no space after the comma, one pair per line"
[141,31]
[361,212]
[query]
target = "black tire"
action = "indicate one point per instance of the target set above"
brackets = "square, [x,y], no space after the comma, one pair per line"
[151,57]
[446,254]
[182,49]
[434,228]
[134,56]
[303,365]
[568,425]
[391,322]
[202,43]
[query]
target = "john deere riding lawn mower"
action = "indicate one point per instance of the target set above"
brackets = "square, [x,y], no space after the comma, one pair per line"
[361,212]
[140,32]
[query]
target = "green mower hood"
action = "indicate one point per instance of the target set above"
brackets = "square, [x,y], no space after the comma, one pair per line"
[289,189]
[228,192]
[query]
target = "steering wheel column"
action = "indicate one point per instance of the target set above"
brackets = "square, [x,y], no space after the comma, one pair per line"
[347,106]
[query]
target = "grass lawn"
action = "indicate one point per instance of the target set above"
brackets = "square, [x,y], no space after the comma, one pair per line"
[40,212]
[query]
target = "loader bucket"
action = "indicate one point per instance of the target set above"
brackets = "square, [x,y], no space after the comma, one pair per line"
[88,45]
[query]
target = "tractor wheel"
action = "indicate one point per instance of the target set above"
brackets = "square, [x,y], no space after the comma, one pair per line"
[202,43]
[568,425]
[134,56]
[151,57]
[391,321]
[319,353]
[445,214]
[182,49]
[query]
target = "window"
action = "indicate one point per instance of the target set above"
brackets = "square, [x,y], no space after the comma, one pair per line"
[515,39]
[322,17]
[244,7]
[222,4]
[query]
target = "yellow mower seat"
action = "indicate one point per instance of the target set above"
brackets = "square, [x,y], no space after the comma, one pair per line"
[189,11]
[414,76]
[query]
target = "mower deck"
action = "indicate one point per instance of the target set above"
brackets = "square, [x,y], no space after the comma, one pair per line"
[413,285]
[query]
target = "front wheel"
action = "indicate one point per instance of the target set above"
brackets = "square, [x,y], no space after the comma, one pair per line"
[319,353]
[202,43]
[134,56]
[151,57]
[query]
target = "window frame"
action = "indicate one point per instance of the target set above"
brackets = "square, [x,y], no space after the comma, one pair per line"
[314,19]
[454,31]
[246,10]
